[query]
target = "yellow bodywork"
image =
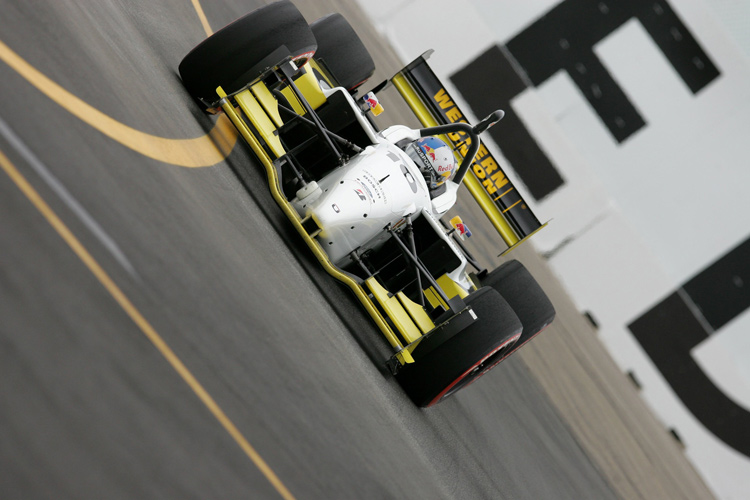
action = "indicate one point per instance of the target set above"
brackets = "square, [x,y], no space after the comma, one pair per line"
[448,286]
[404,314]
[266,128]
[393,308]
[268,101]
[416,312]
[308,85]
[262,108]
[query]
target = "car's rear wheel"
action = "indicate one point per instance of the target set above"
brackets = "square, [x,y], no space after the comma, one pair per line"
[239,52]
[522,292]
[466,356]
[341,51]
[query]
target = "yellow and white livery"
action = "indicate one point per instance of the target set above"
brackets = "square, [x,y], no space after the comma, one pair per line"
[369,212]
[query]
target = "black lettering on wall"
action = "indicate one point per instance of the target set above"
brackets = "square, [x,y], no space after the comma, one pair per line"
[489,83]
[722,290]
[667,333]
[563,39]
[670,330]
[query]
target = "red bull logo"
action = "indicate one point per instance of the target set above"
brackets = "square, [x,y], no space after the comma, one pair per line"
[461,228]
[428,151]
[372,102]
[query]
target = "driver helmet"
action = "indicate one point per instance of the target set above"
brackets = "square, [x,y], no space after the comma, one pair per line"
[434,158]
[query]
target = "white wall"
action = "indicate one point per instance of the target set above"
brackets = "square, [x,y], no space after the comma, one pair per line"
[633,220]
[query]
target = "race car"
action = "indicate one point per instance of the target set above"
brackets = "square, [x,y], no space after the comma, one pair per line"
[371,204]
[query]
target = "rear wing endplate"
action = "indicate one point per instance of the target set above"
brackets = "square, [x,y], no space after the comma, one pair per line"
[490,187]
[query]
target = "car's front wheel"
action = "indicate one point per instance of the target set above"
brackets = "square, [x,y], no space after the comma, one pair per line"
[519,288]
[238,53]
[341,51]
[466,356]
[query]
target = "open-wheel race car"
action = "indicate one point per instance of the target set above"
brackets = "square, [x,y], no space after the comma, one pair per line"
[369,203]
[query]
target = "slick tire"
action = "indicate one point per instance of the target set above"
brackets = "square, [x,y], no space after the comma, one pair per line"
[238,53]
[466,356]
[522,292]
[341,51]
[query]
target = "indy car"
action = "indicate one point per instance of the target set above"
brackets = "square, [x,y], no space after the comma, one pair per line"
[371,204]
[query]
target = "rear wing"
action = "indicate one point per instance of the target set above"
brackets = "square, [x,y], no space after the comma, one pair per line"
[488,184]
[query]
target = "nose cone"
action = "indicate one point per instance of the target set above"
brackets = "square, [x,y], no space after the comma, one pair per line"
[347,200]
[342,215]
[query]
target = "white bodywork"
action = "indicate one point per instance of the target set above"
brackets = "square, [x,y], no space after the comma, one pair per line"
[380,186]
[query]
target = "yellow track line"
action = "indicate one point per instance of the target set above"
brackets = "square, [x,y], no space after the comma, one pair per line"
[202,151]
[141,322]
[202,17]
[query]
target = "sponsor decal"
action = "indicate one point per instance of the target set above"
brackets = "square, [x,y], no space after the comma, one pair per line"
[463,230]
[361,194]
[372,187]
[460,227]
[422,156]
[485,167]
[372,102]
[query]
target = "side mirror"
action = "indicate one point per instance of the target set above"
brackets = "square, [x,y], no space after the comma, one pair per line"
[492,119]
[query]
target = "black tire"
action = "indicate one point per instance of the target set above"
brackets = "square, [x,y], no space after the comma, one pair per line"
[519,288]
[342,52]
[232,56]
[466,356]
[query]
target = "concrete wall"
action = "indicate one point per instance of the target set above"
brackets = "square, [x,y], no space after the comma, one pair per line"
[637,219]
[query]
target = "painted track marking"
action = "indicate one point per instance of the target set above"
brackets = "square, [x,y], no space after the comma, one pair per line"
[46,175]
[203,151]
[145,327]
[202,17]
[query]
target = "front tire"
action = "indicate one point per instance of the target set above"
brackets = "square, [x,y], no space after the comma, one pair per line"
[519,288]
[342,52]
[235,55]
[466,356]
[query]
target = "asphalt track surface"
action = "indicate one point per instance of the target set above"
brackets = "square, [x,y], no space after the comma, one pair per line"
[164,334]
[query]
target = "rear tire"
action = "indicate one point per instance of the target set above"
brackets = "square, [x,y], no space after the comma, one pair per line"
[519,288]
[466,356]
[231,56]
[342,52]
